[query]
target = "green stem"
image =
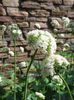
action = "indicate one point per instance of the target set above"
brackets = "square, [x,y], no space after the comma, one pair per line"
[59,97]
[26,80]
[14,40]
[66,86]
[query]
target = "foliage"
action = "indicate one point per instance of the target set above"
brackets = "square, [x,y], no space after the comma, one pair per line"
[52,78]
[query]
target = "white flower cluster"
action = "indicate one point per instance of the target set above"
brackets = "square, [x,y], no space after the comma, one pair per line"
[57,79]
[42,40]
[66,21]
[2,27]
[61,60]
[48,64]
[46,43]
[0,79]
[14,29]
[40,95]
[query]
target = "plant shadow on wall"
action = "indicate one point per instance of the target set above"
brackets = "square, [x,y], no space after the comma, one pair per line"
[50,78]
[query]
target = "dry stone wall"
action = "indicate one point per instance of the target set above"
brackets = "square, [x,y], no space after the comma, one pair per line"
[28,12]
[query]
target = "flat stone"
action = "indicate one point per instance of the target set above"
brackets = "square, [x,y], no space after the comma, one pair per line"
[68,2]
[35,19]
[23,24]
[57,1]
[41,13]
[30,4]
[16,12]
[5,19]
[71,14]
[43,25]
[11,10]
[47,6]
[10,3]
[57,12]
[2,11]
[65,8]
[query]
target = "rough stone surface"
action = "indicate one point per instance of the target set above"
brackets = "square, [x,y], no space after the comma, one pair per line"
[2,10]
[43,25]
[12,3]
[43,13]
[48,6]
[68,2]
[23,24]
[16,12]
[30,4]
[57,1]
[5,19]
[71,14]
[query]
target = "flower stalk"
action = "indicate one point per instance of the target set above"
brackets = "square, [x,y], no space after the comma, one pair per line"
[14,40]
[66,86]
[26,80]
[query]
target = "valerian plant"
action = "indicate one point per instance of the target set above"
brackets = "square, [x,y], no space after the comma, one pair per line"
[48,74]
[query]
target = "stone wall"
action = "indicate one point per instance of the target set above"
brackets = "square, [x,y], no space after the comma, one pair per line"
[28,12]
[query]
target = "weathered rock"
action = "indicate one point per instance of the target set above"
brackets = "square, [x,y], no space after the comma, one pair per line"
[23,24]
[11,3]
[71,14]
[16,12]
[44,0]
[34,19]
[68,2]
[57,1]
[57,12]
[65,8]
[5,19]
[2,10]
[42,13]
[43,25]
[47,6]
[30,4]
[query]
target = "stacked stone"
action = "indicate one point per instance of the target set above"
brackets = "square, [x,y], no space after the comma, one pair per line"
[28,12]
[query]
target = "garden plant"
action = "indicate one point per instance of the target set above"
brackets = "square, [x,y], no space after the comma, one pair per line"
[51,77]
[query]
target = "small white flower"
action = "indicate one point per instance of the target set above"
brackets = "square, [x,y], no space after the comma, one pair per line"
[37,25]
[22,49]
[3,27]
[48,66]
[11,53]
[14,31]
[66,21]
[0,79]
[56,78]
[40,95]
[19,32]
[61,60]
[22,64]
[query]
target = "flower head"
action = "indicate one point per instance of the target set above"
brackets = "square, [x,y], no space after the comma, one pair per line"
[0,79]
[40,95]
[2,27]
[42,40]
[22,64]
[57,79]
[14,29]
[22,49]
[66,21]
[48,66]
[61,60]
